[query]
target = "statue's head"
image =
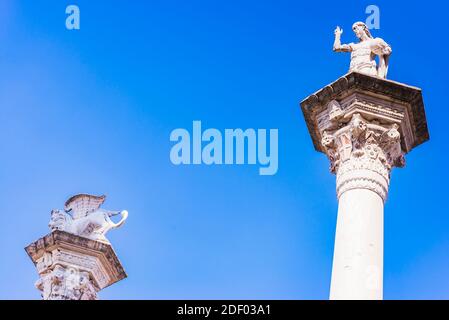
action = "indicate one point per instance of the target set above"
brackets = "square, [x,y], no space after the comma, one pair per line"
[361,31]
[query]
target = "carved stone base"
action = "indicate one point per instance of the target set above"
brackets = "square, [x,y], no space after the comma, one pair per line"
[72,267]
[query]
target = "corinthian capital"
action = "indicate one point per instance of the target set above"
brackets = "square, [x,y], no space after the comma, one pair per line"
[362,154]
[66,283]
[71,267]
[365,125]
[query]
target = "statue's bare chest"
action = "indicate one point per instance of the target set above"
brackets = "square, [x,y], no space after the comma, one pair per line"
[361,51]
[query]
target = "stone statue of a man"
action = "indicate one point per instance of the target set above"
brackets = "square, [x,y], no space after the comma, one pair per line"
[363,54]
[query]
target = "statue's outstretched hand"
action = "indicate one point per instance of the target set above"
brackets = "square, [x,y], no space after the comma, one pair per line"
[338,31]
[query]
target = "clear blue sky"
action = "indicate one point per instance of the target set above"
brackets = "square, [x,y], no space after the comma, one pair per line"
[91,111]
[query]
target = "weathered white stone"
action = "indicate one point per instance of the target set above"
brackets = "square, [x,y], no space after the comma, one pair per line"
[73,267]
[364,52]
[76,260]
[365,125]
[357,272]
[82,216]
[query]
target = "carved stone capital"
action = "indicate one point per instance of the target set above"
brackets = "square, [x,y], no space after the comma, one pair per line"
[385,101]
[71,267]
[365,125]
[362,154]
[66,283]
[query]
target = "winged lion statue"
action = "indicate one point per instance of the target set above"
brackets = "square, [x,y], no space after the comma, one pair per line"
[82,216]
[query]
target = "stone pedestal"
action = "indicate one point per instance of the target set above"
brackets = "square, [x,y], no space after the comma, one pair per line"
[365,125]
[72,267]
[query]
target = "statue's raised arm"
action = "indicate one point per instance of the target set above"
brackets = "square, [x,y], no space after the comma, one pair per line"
[364,52]
[338,47]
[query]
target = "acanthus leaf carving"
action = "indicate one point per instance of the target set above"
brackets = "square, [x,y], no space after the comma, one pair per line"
[370,149]
[66,283]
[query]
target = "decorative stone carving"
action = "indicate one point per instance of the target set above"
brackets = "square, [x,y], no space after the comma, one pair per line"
[65,283]
[83,216]
[365,125]
[72,267]
[363,53]
[335,110]
[76,260]
[377,100]
[362,155]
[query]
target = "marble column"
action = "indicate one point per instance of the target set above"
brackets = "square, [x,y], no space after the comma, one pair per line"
[362,155]
[365,125]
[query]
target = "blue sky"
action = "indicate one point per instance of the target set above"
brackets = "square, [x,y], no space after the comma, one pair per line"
[91,111]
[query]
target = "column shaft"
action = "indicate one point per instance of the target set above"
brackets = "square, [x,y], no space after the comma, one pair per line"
[357,271]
